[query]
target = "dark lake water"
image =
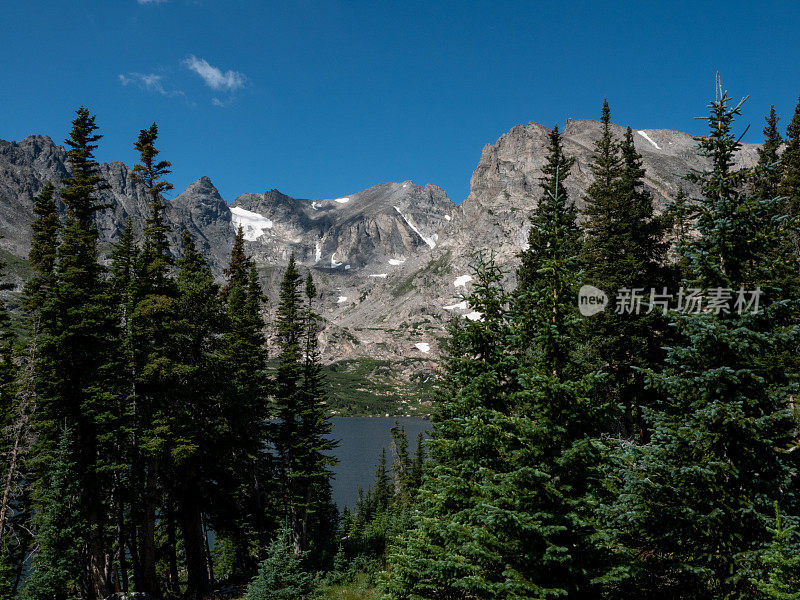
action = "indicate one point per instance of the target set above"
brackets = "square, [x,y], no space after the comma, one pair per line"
[361,441]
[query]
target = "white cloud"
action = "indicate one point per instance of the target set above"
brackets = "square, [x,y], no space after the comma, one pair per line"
[149,82]
[213,77]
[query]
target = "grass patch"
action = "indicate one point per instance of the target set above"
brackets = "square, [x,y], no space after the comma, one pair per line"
[360,588]
[367,387]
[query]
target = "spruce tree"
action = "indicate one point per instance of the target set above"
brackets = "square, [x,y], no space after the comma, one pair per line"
[194,418]
[11,426]
[61,530]
[401,464]
[300,395]
[553,236]
[75,361]
[123,291]
[249,476]
[769,170]
[382,491]
[281,576]
[467,536]
[42,256]
[624,250]
[602,207]
[789,187]
[697,500]
[558,396]
[153,326]
[780,563]
[150,172]
[680,218]
[550,206]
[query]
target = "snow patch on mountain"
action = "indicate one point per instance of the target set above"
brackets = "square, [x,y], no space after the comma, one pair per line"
[423,347]
[431,241]
[344,200]
[396,261]
[475,316]
[647,137]
[341,299]
[460,306]
[334,264]
[462,281]
[252,223]
[381,275]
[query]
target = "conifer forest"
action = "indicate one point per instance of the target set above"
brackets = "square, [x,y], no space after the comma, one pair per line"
[154,447]
[609,408]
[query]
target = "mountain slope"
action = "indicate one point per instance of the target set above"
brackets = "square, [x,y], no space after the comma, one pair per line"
[391,261]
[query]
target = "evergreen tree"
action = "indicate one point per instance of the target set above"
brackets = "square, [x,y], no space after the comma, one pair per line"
[300,395]
[401,464]
[695,502]
[61,530]
[418,463]
[564,414]
[789,187]
[249,476]
[10,430]
[780,563]
[769,170]
[281,575]
[123,290]
[153,328]
[554,237]
[680,216]
[382,491]
[194,417]
[467,539]
[624,250]
[42,256]
[75,361]
[551,207]
[602,207]
[156,257]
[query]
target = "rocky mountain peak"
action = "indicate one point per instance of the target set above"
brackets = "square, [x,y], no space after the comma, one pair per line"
[203,189]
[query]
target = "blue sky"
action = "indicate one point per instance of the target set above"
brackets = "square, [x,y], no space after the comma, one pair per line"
[322,99]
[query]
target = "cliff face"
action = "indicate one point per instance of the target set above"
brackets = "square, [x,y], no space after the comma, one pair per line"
[391,261]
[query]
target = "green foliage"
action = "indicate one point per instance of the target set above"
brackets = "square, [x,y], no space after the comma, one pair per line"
[464,540]
[372,387]
[301,433]
[360,586]
[44,244]
[624,249]
[695,501]
[246,478]
[281,576]
[789,187]
[781,563]
[770,170]
[61,531]
[385,511]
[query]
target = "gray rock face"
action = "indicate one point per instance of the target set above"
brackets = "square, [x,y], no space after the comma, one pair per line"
[366,230]
[408,309]
[391,261]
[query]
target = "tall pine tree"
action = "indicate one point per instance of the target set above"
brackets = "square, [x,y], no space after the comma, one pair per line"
[302,435]
[697,500]
[75,360]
